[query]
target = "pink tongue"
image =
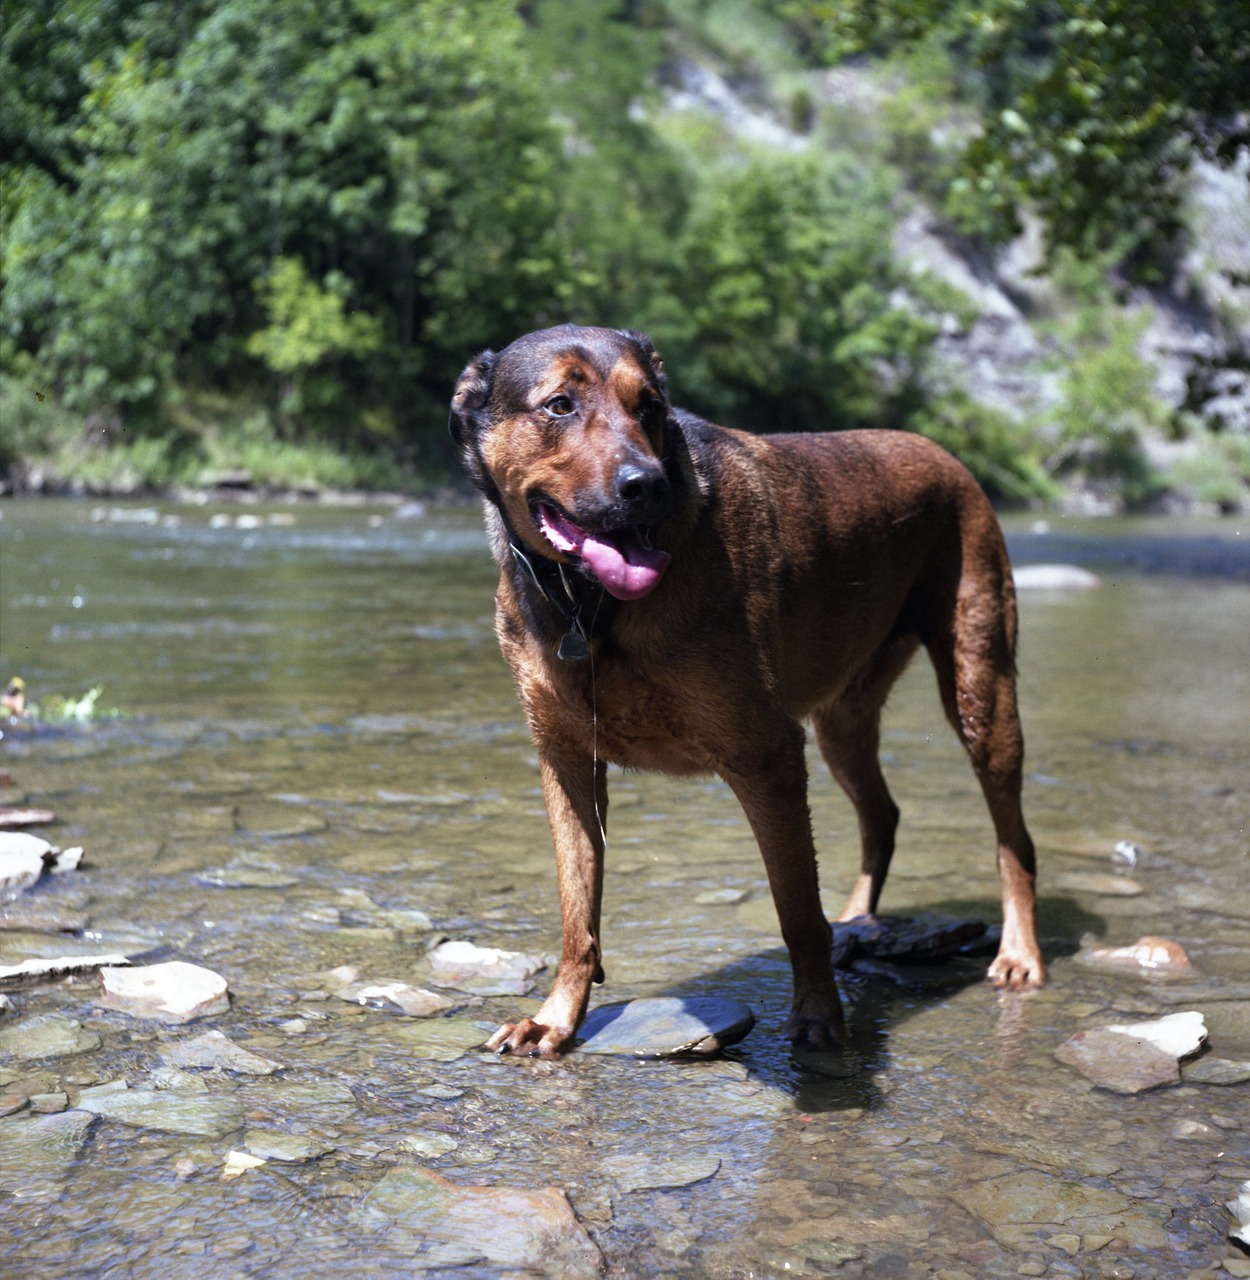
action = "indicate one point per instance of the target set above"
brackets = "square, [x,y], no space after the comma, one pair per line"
[628,571]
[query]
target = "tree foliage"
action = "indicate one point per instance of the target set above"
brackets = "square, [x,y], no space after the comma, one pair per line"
[1090,109]
[302,218]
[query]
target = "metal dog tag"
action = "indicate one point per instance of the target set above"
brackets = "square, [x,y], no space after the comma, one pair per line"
[573,648]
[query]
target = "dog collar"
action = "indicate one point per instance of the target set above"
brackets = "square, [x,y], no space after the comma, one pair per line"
[575,642]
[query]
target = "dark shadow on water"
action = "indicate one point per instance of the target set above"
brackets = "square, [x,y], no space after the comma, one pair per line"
[878,996]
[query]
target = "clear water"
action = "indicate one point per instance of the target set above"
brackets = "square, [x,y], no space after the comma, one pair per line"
[324,700]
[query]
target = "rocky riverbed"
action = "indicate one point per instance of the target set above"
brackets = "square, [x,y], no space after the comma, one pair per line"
[322,780]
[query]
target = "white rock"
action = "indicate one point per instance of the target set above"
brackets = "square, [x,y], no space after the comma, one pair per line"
[1240,1209]
[1178,1034]
[58,966]
[172,992]
[1054,577]
[484,970]
[238,1162]
[24,858]
[416,1002]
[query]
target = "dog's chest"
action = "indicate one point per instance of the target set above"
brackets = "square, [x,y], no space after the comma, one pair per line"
[639,722]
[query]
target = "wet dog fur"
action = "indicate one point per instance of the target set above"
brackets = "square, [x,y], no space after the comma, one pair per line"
[677,596]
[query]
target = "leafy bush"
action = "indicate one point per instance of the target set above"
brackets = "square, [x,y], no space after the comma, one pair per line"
[796,317]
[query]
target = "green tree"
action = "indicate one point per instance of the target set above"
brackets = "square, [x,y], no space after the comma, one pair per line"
[796,316]
[1090,108]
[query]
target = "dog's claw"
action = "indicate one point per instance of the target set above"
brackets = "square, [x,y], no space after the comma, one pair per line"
[529,1039]
[1015,973]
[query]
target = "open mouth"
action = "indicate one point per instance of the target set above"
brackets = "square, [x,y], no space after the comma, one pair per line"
[622,559]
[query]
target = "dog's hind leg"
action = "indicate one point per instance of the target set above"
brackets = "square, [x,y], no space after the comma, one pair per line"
[848,732]
[974,658]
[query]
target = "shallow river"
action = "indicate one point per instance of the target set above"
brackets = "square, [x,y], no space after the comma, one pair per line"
[319,761]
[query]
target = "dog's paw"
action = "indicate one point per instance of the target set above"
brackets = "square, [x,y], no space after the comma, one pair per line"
[530,1039]
[819,1032]
[1011,972]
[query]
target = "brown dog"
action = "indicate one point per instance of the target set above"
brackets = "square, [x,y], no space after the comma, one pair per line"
[678,596]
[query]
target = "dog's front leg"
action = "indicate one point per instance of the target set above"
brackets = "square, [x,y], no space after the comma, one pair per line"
[773,794]
[577,803]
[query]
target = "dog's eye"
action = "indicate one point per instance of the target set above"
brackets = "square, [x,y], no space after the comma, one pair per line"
[558,407]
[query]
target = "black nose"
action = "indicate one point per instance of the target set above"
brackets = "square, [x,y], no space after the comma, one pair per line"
[642,490]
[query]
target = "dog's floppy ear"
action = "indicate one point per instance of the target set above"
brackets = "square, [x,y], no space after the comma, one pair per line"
[472,390]
[652,357]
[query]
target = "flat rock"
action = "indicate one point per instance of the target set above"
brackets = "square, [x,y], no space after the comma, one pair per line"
[1054,577]
[906,939]
[1212,1070]
[284,1148]
[1151,957]
[215,1050]
[278,821]
[436,1040]
[1018,1206]
[1108,885]
[173,992]
[485,971]
[665,1026]
[324,1093]
[29,972]
[646,1172]
[1203,897]
[447,1225]
[1119,1062]
[1230,1025]
[245,877]
[25,858]
[13,816]
[1178,1034]
[46,1035]
[201,1115]
[38,1152]
[398,997]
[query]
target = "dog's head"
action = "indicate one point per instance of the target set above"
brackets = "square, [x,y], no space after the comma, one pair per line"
[566,431]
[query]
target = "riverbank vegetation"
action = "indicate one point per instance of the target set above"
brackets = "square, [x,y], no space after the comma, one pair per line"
[260,237]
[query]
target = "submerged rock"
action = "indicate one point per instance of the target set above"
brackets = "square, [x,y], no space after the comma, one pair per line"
[1212,1070]
[1134,1057]
[1019,1206]
[172,992]
[485,971]
[1107,885]
[1119,1062]
[213,1049]
[37,1153]
[238,1163]
[399,997]
[449,1225]
[1149,956]
[284,1148]
[665,1027]
[648,1172]
[201,1115]
[47,1035]
[437,1040]
[238,874]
